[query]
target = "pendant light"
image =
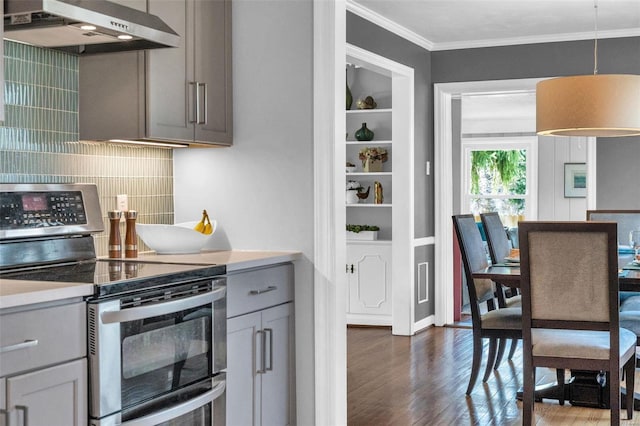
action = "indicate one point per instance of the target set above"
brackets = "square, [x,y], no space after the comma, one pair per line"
[606,105]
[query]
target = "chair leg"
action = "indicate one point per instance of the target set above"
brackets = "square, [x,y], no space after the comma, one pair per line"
[528,394]
[475,364]
[514,346]
[560,379]
[502,345]
[630,372]
[491,359]
[614,396]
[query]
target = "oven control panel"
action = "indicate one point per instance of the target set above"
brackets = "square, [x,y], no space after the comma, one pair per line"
[36,210]
[41,209]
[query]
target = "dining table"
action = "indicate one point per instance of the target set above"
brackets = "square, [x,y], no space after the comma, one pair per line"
[508,274]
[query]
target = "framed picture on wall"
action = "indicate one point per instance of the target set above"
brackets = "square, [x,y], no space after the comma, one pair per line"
[575,180]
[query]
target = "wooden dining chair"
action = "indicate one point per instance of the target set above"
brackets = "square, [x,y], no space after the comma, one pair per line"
[569,285]
[499,248]
[488,320]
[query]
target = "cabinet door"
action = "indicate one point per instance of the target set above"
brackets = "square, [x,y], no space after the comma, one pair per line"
[213,70]
[170,78]
[52,396]
[369,283]
[244,346]
[3,406]
[278,379]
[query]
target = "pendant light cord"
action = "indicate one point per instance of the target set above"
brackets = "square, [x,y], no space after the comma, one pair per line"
[595,43]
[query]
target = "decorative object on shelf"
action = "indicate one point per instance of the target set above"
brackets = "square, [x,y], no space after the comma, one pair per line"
[363,195]
[353,187]
[350,167]
[362,232]
[367,103]
[363,133]
[602,105]
[372,158]
[349,98]
[378,197]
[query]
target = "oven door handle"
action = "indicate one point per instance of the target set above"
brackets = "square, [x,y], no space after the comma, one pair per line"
[180,409]
[150,311]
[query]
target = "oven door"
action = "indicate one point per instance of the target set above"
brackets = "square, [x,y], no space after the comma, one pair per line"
[150,344]
[200,404]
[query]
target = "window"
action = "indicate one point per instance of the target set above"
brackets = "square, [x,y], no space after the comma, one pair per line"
[500,174]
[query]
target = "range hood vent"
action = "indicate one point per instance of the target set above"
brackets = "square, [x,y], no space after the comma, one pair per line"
[84,27]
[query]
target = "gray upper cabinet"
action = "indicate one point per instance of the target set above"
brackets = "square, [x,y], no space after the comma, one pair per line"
[181,94]
[190,86]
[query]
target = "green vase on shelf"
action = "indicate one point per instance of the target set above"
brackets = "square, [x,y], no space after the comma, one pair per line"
[363,133]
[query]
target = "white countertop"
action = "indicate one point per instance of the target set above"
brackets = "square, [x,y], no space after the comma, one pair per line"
[17,292]
[235,260]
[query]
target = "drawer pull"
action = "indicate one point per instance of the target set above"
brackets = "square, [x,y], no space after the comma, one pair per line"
[264,290]
[24,345]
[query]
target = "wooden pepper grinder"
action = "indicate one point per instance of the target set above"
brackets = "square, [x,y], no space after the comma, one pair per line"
[131,238]
[115,242]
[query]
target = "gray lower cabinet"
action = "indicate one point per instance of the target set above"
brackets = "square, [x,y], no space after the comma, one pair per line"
[43,365]
[181,94]
[260,347]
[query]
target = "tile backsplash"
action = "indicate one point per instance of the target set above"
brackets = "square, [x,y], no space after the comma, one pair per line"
[39,140]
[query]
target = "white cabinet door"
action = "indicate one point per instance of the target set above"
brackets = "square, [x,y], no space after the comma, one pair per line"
[243,387]
[277,380]
[369,279]
[260,371]
[51,396]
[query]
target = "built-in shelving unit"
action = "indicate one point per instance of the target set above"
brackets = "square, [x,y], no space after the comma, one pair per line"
[378,270]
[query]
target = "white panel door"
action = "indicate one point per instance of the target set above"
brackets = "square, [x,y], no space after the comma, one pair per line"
[51,396]
[277,380]
[243,382]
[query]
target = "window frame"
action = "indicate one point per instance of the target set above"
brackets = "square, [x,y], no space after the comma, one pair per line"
[528,143]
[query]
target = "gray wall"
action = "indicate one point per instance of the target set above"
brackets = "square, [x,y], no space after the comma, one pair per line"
[261,189]
[368,36]
[618,173]
[621,55]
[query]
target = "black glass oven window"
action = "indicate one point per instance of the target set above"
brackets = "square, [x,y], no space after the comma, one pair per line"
[165,353]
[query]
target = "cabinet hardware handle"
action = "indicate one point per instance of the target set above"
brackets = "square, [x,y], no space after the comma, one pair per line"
[180,409]
[206,97]
[150,311]
[351,268]
[6,416]
[263,354]
[25,414]
[264,290]
[24,345]
[194,104]
[270,331]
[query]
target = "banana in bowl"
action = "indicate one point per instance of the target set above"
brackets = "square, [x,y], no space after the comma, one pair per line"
[180,238]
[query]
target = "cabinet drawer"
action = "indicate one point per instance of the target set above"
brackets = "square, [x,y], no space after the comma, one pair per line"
[258,289]
[39,337]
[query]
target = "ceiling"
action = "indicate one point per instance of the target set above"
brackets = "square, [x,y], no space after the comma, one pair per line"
[457,24]
[454,24]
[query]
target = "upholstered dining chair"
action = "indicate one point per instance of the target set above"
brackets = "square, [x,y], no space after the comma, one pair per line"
[569,285]
[488,320]
[499,248]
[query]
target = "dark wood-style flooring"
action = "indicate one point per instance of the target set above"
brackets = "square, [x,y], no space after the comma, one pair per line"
[421,380]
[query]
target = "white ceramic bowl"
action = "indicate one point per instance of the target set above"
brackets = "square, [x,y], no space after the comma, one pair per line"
[180,238]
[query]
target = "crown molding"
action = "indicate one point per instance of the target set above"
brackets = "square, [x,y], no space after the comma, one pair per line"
[411,36]
[551,38]
[388,25]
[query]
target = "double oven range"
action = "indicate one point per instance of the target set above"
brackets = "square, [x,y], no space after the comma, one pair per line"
[156,341]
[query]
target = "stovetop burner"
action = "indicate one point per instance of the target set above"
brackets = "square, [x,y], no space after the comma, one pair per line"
[117,276]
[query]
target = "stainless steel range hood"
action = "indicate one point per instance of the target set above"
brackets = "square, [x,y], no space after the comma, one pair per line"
[84,26]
